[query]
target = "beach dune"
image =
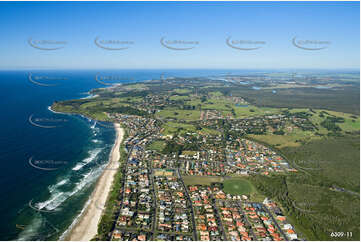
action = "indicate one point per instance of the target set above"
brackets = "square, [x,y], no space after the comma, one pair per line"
[86,227]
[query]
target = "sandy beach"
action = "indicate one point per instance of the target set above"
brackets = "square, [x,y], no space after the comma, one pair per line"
[87,225]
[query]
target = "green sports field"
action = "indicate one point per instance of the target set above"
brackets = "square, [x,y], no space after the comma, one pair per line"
[237,186]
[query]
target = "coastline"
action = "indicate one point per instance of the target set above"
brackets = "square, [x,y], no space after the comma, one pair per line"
[86,224]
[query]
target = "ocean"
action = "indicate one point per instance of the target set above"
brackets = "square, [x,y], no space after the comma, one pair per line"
[50,161]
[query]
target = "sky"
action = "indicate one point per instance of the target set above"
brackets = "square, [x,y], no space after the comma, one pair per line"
[158,35]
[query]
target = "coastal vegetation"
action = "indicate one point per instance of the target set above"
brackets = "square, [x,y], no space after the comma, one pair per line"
[308,197]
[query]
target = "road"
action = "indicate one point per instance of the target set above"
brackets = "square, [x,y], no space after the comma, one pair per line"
[195,237]
[154,223]
[125,168]
[274,220]
[246,219]
[214,205]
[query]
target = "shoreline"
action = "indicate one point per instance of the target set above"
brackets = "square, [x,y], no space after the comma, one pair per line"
[86,224]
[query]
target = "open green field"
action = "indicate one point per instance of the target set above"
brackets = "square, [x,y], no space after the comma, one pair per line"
[96,114]
[209,131]
[172,128]
[296,138]
[251,110]
[189,152]
[96,108]
[215,94]
[177,97]
[351,123]
[201,180]
[212,103]
[137,86]
[182,90]
[225,106]
[179,114]
[238,186]
[242,186]
[157,145]
[341,100]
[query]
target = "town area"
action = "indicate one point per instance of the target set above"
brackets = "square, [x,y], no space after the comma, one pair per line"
[158,204]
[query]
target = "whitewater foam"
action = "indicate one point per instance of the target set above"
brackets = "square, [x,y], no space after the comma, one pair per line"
[93,154]
[32,229]
[59,197]
[59,184]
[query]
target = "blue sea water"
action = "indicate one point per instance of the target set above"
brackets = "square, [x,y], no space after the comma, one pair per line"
[40,204]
